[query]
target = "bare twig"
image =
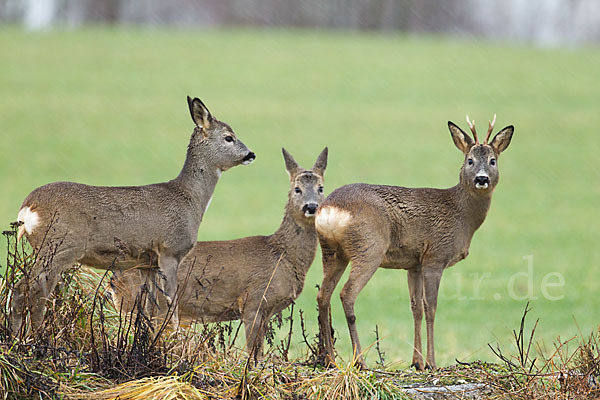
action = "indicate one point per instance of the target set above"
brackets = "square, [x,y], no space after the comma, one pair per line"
[380,354]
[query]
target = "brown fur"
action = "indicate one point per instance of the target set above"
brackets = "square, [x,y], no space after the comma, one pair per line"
[126,226]
[421,230]
[251,278]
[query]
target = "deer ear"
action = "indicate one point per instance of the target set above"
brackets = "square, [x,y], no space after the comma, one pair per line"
[502,139]
[291,166]
[460,138]
[200,114]
[321,163]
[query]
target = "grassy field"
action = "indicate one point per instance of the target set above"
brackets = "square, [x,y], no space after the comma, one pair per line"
[107,107]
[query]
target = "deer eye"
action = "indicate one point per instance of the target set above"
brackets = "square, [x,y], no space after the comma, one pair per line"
[320,189]
[493,162]
[297,190]
[470,161]
[229,139]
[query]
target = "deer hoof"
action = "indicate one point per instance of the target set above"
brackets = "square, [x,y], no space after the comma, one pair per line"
[419,366]
[326,360]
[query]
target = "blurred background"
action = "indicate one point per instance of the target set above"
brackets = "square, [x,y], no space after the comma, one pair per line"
[94,92]
[543,22]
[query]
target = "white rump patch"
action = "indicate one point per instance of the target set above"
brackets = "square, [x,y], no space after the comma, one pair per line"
[30,220]
[219,172]
[331,222]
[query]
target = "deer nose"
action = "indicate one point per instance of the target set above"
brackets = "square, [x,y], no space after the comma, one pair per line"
[310,208]
[482,180]
[249,158]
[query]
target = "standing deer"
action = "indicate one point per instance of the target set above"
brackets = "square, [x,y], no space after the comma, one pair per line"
[421,230]
[251,278]
[121,227]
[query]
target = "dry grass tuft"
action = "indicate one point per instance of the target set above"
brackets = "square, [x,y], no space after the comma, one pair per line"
[163,387]
[348,382]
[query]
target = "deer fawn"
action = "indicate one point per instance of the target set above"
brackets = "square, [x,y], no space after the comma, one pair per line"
[251,278]
[121,227]
[421,230]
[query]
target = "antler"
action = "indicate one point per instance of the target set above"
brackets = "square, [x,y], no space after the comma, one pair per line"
[490,129]
[472,127]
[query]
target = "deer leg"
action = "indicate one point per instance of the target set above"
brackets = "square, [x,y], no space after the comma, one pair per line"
[254,325]
[432,277]
[168,266]
[151,280]
[45,278]
[133,282]
[333,268]
[363,268]
[415,288]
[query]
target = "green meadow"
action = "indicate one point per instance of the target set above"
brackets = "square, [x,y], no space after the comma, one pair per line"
[107,107]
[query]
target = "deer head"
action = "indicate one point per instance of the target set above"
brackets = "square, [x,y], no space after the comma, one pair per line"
[306,186]
[479,172]
[224,147]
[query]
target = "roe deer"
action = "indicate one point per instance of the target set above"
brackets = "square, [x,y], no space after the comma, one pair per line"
[421,230]
[251,278]
[121,227]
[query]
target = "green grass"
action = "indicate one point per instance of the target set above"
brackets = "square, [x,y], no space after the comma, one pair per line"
[107,107]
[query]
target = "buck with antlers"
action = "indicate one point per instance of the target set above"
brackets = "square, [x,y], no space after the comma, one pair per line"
[251,278]
[121,227]
[421,230]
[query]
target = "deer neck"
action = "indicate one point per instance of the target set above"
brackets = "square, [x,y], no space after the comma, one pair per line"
[473,206]
[297,241]
[199,174]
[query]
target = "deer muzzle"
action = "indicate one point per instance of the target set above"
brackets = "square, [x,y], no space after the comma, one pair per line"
[249,158]
[310,209]
[482,181]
